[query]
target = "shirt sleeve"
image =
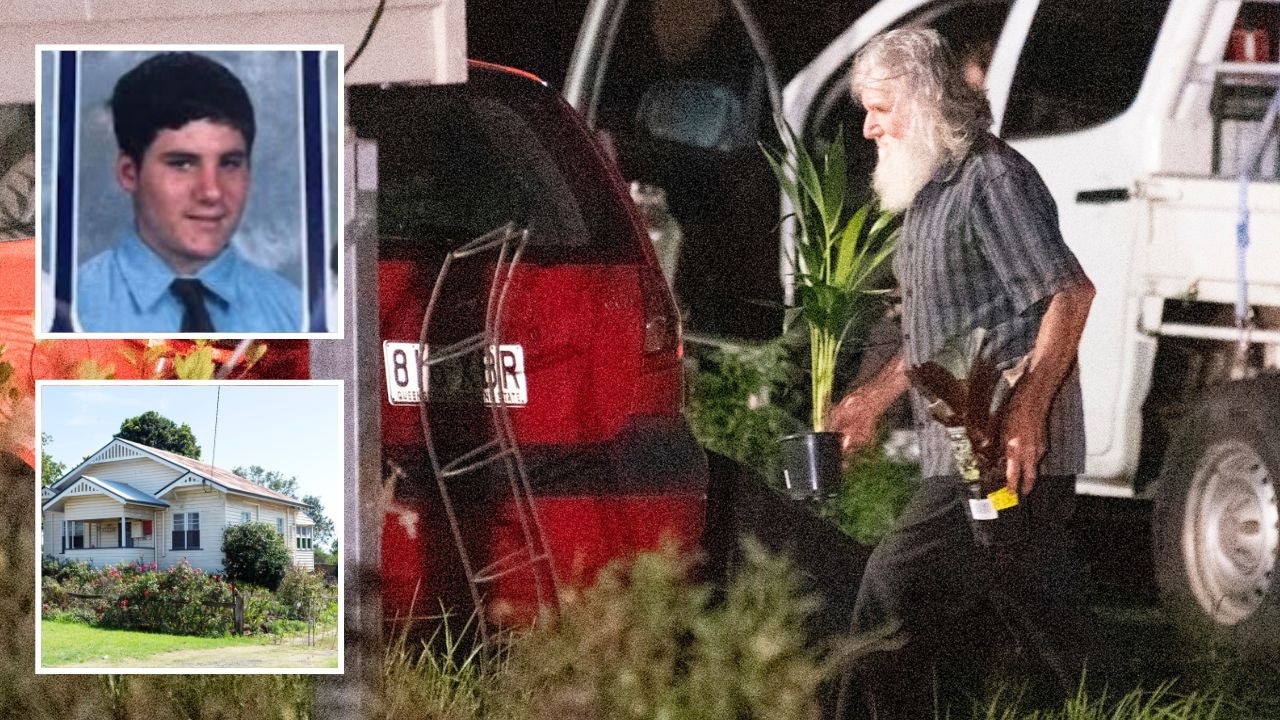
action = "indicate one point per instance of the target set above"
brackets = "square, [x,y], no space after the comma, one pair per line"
[1015,222]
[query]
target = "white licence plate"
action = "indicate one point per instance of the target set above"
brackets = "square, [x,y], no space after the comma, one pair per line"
[503,374]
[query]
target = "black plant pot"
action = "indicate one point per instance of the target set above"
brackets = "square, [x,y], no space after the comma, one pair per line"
[811,463]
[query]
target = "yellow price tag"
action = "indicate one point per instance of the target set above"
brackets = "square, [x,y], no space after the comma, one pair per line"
[1002,499]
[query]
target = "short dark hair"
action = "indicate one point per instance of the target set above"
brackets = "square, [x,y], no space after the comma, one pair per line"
[169,90]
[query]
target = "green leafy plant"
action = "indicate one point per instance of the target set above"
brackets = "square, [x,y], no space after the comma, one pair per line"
[304,594]
[733,407]
[873,492]
[255,553]
[835,256]
[647,642]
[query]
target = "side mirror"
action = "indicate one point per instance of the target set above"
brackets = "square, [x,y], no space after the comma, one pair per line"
[702,114]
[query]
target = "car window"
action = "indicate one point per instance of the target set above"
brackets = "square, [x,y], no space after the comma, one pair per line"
[683,102]
[1057,87]
[455,162]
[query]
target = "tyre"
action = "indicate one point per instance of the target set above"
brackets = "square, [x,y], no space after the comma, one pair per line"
[1216,520]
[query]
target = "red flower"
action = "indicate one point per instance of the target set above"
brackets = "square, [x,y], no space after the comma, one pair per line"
[146,593]
[124,603]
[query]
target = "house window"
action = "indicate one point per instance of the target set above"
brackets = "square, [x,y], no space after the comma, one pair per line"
[280,526]
[304,537]
[186,531]
[74,533]
[245,517]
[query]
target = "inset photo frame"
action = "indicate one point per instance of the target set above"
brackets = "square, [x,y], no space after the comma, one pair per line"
[189,191]
[178,531]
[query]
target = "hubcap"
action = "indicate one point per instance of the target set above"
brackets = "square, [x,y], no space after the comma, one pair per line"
[1231,532]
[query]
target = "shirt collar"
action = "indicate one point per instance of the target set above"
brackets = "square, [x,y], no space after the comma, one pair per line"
[148,276]
[951,168]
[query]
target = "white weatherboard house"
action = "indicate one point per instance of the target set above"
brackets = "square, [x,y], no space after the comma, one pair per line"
[129,502]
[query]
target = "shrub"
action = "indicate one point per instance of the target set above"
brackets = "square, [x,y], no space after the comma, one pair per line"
[65,570]
[261,611]
[873,492]
[303,594]
[81,615]
[645,642]
[53,594]
[172,601]
[732,406]
[255,553]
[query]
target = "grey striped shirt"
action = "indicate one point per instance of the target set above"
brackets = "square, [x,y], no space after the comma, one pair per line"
[980,247]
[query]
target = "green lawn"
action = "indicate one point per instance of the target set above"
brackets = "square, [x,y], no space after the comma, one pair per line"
[65,643]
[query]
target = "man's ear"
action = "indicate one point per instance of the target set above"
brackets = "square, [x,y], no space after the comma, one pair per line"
[126,172]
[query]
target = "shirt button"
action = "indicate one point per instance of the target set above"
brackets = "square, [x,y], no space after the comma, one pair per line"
[906,336]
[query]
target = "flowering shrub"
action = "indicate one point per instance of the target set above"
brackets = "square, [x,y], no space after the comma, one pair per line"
[141,596]
[304,594]
[173,601]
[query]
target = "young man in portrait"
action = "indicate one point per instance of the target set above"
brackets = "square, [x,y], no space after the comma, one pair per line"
[185,127]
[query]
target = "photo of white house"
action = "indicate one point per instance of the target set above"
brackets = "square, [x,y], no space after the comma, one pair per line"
[129,502]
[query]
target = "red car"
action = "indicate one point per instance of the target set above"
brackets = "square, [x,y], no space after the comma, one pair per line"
[551,355]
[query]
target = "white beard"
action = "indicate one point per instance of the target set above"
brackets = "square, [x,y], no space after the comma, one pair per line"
[903,168]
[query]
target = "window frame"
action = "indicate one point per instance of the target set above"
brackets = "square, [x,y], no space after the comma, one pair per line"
[190,522]
[1017,121]
[69,528]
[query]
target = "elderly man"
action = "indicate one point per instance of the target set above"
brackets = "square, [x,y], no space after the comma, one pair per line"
[185,127]
[980,247]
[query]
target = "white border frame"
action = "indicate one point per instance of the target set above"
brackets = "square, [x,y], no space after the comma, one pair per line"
[39,533]
[336,324]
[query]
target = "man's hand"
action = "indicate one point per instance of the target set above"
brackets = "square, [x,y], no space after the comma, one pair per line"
[855,416]
[1024,442]
[1026,423]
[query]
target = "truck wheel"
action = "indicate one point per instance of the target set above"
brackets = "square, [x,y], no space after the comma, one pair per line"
[1216,521]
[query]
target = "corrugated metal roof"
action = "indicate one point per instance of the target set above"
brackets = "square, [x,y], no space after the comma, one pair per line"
[222,477]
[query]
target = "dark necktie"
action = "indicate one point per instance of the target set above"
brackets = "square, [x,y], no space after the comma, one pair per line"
[191,292]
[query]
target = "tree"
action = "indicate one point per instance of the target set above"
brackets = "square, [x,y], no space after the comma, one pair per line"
[157,431]
[269,479]
[274,480]
[254,553]
[323,530]
[324,556]
[50,469]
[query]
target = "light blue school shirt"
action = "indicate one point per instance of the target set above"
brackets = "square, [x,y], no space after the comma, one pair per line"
[126,289]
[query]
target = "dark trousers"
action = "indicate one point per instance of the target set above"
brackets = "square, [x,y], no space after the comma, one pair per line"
[940,605]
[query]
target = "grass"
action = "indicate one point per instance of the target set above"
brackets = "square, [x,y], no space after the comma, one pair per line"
[64,643]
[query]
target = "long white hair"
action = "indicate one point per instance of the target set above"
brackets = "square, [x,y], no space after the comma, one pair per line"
[946,113]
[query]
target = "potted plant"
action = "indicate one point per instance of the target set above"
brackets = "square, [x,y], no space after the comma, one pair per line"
[836,254]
